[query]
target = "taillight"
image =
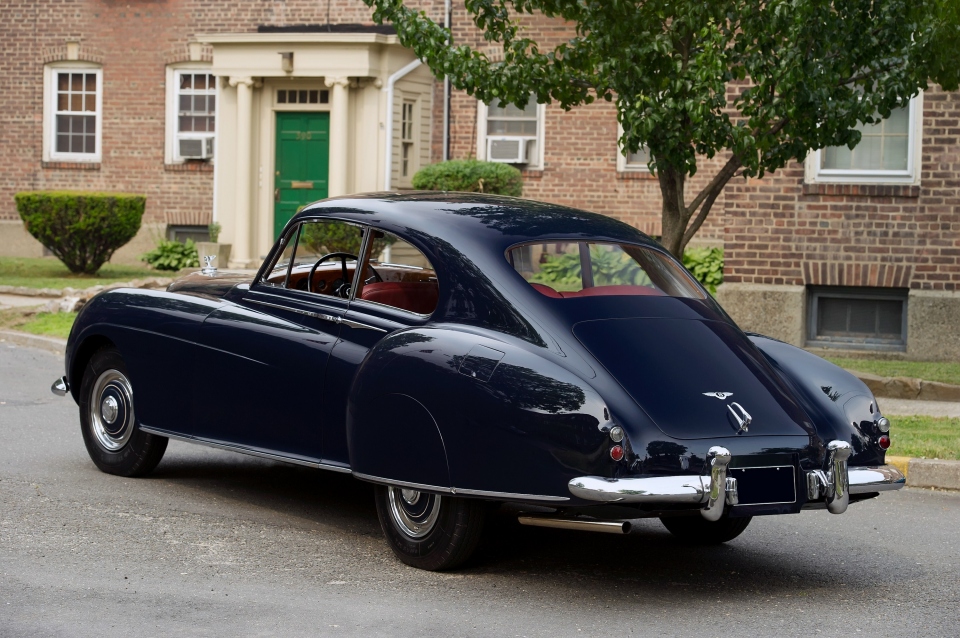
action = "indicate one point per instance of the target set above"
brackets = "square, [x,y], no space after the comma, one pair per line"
[616,452]
[884,442]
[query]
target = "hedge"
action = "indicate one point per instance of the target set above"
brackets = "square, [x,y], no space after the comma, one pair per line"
[82,229]
[470,176]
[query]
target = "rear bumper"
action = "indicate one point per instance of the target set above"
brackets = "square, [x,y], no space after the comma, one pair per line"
[833,486]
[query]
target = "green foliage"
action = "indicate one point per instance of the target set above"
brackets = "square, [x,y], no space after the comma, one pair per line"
[82,229]
[470,176]
[214,231]
[610,268]
[337,237]
[706,264]
[172,255]
[809,71]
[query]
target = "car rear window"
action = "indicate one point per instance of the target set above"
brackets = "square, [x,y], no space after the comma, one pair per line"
[565,270]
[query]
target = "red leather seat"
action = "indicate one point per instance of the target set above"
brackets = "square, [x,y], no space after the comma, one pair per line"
[545,290]
[598,291]
[415,296]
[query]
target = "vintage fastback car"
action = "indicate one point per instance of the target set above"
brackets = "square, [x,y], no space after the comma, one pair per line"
[462,350]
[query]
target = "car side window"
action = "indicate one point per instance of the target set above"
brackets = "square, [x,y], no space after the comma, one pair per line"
[277,275]
[325,257]
[397,274]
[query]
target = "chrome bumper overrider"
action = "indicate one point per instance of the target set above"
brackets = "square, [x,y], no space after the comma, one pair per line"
[714,491]
[60,387]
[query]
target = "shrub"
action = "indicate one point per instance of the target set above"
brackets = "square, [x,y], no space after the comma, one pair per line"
[706,264]
[82,229]
[470,176]
[214,230]
[172,255]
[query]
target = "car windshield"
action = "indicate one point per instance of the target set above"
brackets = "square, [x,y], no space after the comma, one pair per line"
[590,268]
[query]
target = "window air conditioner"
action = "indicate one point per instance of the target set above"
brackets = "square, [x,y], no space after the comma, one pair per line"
[508,150]
[196,148]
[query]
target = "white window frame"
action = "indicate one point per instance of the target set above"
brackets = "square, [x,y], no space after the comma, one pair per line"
[413,160]
[623,164]
[171,152]
[50,153]
[815,174]
[533,163]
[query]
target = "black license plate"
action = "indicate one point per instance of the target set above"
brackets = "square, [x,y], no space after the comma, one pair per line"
[765,485]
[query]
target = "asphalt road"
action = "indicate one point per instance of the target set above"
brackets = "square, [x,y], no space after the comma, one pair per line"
[219,544]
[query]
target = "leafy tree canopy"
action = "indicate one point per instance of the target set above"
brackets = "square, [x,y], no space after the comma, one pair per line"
[802,74]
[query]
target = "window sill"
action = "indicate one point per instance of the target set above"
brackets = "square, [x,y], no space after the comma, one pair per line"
[863,190]
[72,166]
[189,167]
[641,175]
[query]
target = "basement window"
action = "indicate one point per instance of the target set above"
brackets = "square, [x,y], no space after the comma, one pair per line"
[858,318]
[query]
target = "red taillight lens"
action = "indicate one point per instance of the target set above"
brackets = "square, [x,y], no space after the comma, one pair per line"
[884,442]
[616,452]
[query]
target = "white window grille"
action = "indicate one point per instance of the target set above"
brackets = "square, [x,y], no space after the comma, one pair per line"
[196,108]
[74,99]
[407,137]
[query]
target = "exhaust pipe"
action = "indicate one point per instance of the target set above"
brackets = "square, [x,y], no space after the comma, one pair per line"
[607,527]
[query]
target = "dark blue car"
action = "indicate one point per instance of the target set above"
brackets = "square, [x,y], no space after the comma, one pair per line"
[459,350]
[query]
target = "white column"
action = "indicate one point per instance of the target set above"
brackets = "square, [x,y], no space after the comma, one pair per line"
[339,106]
[242,250]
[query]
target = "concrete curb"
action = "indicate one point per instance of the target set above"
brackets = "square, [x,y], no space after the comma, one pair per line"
[905,388]
[943,475]
[50,344]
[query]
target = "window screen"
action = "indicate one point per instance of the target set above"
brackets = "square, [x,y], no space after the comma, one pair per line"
[858,317]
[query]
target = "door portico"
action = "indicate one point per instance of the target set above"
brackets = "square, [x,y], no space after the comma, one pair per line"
[263,77]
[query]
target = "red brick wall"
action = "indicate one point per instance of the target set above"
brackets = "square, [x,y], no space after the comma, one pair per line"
[781,231]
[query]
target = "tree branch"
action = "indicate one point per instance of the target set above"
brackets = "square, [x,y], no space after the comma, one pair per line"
[708,196]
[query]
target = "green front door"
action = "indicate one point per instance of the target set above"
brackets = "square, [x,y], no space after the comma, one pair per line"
[303,162]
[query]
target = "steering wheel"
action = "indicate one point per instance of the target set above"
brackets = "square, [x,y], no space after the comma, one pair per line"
[344,289]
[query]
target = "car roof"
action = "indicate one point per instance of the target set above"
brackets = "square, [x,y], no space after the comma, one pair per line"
[486,222]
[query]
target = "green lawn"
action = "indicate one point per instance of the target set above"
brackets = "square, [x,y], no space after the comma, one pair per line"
[925,436]
[50,324]
[48,272]
[944,372]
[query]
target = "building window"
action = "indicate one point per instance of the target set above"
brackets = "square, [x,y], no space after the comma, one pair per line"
[888,151]
[862,318]
[191,113]
[511,135]
[407,154]
[631,162]
[74,98]
[303,96]
[183,233]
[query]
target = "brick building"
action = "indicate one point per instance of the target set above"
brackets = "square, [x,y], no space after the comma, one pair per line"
[242,110]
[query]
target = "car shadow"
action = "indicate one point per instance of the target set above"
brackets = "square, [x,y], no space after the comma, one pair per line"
[773,560]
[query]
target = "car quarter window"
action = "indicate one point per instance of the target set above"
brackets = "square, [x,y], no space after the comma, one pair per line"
[399,275]
[565,269]
[320,257]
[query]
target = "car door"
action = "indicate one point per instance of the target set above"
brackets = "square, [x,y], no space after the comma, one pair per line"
[275,339]
[398,289]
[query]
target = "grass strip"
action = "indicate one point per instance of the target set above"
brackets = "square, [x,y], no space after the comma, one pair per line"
[925,437]
[48,272]
[944,372]
[51,324]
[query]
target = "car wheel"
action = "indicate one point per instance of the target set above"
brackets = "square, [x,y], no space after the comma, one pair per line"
[427,530]
[697,530]
[108,421]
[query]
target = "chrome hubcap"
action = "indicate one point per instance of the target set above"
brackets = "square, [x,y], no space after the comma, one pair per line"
[111,410]
[414,513]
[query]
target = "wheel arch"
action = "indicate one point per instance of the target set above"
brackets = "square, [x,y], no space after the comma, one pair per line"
[82,355]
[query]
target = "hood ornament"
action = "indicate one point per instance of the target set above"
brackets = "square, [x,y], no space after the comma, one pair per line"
[209,269]
[718,395]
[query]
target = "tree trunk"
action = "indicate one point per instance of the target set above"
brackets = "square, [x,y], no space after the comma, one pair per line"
[673,215]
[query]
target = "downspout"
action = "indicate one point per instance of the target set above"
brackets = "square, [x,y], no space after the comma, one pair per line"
[388,143]
[446,89]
